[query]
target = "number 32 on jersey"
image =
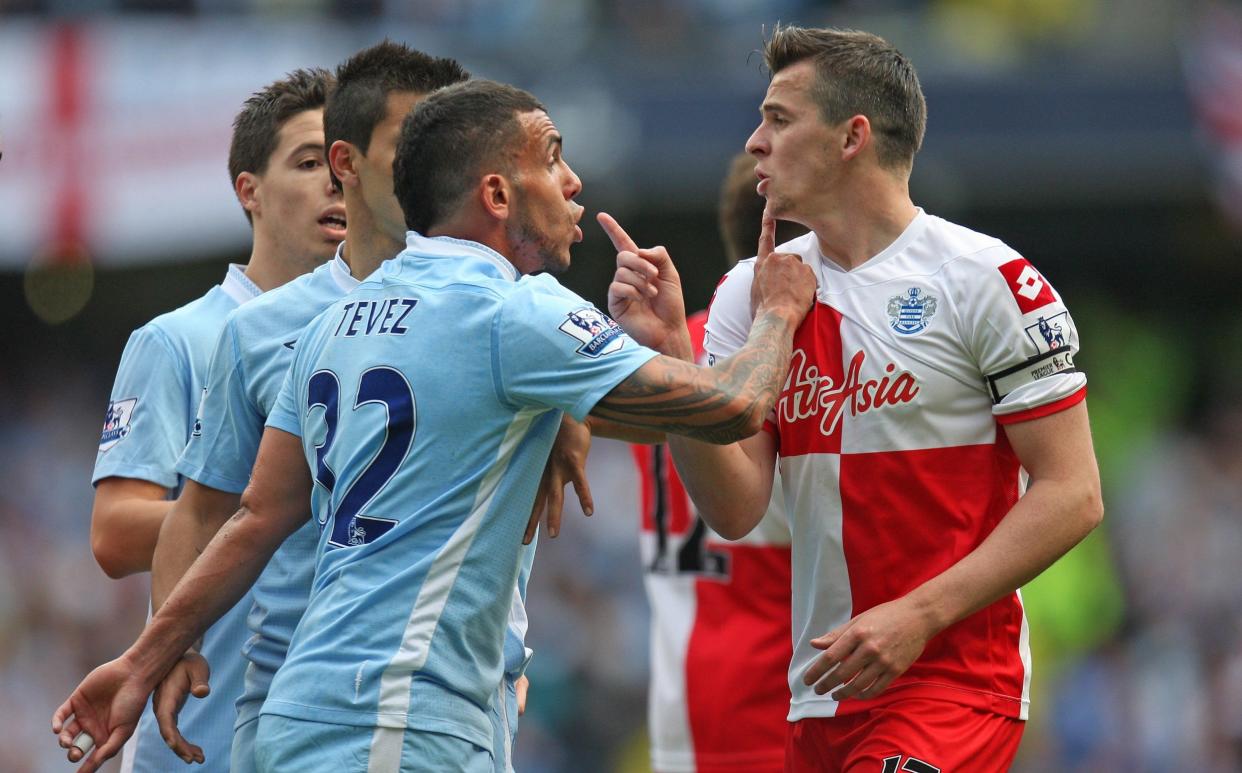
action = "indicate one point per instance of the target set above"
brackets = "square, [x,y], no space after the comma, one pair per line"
[380,387]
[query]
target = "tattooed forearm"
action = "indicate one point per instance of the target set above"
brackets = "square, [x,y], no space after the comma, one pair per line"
[718,405]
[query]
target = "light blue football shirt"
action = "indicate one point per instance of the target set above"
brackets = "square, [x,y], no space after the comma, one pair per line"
[427,402]
[247,370]
[157,390]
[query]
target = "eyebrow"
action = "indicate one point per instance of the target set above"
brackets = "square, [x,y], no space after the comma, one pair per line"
[555,139]
[315,146]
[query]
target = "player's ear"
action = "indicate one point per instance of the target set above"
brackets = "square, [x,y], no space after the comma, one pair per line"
[341,161]
[246,186]
[496,195]
[855,137]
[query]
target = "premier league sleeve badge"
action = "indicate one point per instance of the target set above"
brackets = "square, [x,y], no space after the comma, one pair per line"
[598,333]
[117,422]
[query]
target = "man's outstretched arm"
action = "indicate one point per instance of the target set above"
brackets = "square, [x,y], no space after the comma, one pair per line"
[107,704]
[194,519]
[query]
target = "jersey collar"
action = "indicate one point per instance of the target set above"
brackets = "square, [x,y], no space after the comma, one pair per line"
[912,232]
[238,286]
[340,270]
[450,247]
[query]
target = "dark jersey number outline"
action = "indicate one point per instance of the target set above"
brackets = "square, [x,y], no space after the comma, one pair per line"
[912,765]
[693,557]
[383,386]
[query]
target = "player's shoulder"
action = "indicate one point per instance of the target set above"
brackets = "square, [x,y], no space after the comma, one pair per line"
[528,292]
[293,304]
[188,322]
[955,246]
[455,278]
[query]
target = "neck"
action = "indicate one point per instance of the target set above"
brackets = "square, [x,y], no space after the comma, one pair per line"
[366,245]
[486,231]
[865,221]
[268,267]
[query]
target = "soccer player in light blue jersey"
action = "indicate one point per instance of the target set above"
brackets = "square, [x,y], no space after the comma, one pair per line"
[414,425]
[277,163]
[375,89]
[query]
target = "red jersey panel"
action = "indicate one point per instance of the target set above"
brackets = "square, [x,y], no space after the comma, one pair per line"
[720,636]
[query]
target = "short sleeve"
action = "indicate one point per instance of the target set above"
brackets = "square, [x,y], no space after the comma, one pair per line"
[553,349]
[285,413]
[729,318]
[1021,335]
[147,421]
[227,429]
[729,321]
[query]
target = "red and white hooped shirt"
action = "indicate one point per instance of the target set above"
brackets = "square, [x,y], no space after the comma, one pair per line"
[887,431]
[720,640]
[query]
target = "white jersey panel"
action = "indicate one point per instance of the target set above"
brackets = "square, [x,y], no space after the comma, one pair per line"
[818,560]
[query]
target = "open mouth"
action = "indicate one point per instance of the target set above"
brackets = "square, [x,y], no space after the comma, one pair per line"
[333,225]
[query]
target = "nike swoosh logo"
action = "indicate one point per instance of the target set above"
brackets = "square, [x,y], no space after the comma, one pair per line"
[289,344]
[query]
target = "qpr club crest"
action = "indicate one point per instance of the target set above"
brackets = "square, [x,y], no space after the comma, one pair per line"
[910,313]
[117,422]
[598,333]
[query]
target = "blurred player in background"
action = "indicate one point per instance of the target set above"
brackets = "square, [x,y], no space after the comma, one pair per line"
[280,177]
[375,89]
[919,390]
[416,419]
[720,643]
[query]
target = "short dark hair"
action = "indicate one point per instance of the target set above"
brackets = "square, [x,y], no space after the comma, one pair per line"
[451,139]
[363,82]
[858,73]
[256,129]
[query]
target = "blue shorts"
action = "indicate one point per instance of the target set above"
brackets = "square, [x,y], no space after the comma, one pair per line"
[242,758]
[284,744]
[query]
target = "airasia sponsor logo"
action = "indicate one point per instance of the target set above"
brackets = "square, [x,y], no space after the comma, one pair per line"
[808,394]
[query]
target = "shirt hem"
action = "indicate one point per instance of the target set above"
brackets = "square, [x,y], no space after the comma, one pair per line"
[1004,705]
[718,761]
[201,476]
[1040,411]
[458,727]
[149,474]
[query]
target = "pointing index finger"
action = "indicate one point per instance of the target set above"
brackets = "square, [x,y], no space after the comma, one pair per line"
[620,239]
[767,233]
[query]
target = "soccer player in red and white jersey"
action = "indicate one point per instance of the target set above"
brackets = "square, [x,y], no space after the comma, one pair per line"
[936,366]
[720,642]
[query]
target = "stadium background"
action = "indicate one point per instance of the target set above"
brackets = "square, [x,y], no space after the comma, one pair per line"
[1101,138]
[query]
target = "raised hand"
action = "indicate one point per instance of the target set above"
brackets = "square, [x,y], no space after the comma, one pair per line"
[105,706]
[188,677]
[783,283]
[645,294]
